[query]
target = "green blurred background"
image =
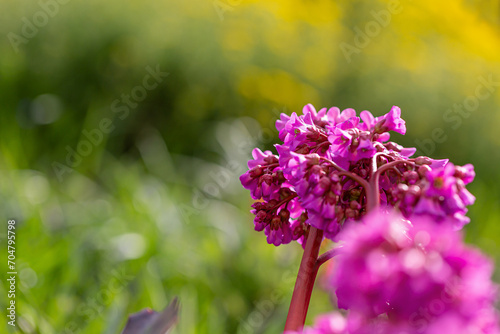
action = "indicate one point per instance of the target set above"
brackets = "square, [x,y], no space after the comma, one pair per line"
[153,208]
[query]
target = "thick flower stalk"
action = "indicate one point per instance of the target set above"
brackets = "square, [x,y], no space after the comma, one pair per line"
[334,167]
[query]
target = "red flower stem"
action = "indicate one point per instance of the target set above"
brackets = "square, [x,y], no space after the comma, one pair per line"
[328,255]
[288,199]
[337,167]
[319,146]
[362,182]
[305,282]
[392,164]
[356,178]
[373,194]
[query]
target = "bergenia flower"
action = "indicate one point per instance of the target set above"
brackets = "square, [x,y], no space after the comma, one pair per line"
[402,271]
[333,163]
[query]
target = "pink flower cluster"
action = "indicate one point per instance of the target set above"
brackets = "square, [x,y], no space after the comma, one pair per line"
[396,276]
[332,165]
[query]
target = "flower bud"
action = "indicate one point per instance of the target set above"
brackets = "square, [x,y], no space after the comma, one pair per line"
[378,146]
[258,206]
[279,177]
[379,127]
[402,189]
[271,159]
[411,176]
[303,217]
[256,172]
[355,143]
[275,223]
[393,146]
[313,135]
[312,159]
[422,170]
[363,173]
[284,215]
[316,169]
[335,178]
[325,183]
[460,172]
[354,205]
[350,213]
[271,204]
[303,149]
[414,190]
[355,193]
[284,193]
[337,189]
[261,216]
[423,160]
[267,178]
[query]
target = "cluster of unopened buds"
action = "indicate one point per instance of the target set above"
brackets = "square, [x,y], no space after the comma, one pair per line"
[395,219]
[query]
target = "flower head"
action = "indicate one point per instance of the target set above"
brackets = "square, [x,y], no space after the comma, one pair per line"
[392,267]
[335,163]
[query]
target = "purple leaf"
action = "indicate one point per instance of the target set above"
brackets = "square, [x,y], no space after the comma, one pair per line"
[148,321]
